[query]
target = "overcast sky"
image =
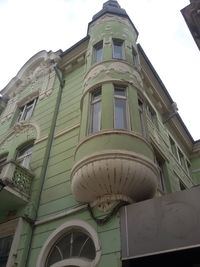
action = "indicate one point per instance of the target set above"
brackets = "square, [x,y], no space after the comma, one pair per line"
[29,26]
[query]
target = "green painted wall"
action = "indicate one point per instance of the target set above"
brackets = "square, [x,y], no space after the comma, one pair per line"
[71,128]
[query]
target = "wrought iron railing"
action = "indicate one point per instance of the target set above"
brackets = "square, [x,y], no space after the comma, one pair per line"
[17,177]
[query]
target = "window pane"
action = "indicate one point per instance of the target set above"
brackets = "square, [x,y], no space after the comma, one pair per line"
[75,244]
[160,165]
[5,245]
[20,118]
[96,95]
[96,117]
[182,186]
[24,157]
[88,250]
[98,52]
[26,111]
[118,49]
[2,162]
[142,120]
[120,92]
[65,246]
[79,240]
[120,114]
[173,147]
[54,257]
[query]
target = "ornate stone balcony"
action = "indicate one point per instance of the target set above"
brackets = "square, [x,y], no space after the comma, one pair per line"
[17,181]
[114,166]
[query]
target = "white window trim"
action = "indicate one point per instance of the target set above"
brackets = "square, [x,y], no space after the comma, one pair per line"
[95,48]
[92,102]
[74,262]
[25,158]
[24,107]
[114,41]
[73,224]
[141,110]
[13,227]
[116,86]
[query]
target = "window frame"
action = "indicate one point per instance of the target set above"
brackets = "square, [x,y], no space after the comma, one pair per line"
[118,43]
[3,160]
[22,116]
[135,56]
[93,102]
[125,99]
[6,246]
[160,165]
[160,162]
[71,224]
[141,110]
[72,245]
[188,164]
[26,156]
[182,159]
[95,49]
[182,185]
[152,115]
[173,147]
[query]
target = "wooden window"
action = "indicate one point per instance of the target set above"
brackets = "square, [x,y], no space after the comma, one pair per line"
[2,162]
[24,156]
[118,49]
[26,111]
[98,52]
[5,245]
[160,162]
[182,159]
[142,118]
[74,244]
[182,185]
[188,167]
[134,55]
[120,108]
[95,123]
[173,147]
[152,115]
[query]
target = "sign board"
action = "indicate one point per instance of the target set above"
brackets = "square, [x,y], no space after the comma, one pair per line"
[161,224]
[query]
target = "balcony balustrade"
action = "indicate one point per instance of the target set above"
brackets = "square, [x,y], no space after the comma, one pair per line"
[17,181]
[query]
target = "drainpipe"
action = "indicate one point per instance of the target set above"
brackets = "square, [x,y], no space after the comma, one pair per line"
[31,224]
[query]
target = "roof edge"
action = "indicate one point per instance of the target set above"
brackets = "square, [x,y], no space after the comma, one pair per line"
[165,91]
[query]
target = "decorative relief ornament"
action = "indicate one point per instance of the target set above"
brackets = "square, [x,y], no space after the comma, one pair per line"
[32,130]
[113,70]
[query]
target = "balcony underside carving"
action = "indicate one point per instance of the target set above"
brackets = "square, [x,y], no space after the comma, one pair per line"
[112,177]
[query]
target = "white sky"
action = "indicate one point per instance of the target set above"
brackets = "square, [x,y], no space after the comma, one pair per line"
[29,26]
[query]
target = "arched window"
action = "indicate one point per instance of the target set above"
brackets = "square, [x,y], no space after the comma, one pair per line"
[74,243]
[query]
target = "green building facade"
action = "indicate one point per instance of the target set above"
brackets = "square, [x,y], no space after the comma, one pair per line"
[84,132]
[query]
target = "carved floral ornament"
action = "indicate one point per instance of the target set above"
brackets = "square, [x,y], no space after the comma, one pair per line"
[107,71]
[38,74]
[38,66]
[31,129]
